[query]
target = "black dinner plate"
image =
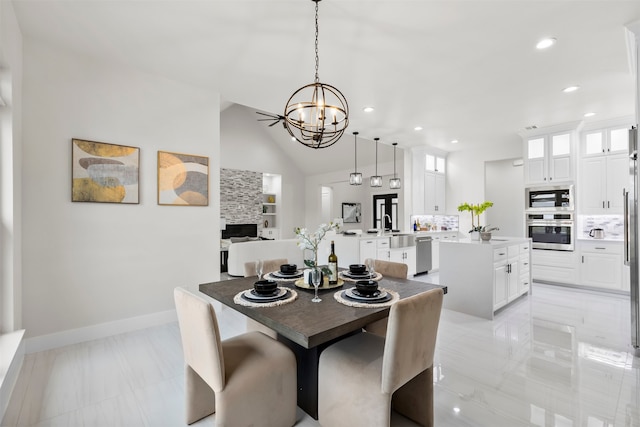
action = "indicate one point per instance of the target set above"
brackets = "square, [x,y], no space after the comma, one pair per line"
[282,275]
[356,276]
[250,296]
[377,296]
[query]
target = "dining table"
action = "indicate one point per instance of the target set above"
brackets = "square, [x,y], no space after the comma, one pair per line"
[307,328]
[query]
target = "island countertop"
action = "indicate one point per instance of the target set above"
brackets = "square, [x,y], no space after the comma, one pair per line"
[495,242]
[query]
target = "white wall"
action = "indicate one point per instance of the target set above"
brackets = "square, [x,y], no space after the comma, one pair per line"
[465,176]
[245,145]
[504,186]
[91,264]
[10,171]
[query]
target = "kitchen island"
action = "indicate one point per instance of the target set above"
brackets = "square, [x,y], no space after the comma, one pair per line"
[483,277]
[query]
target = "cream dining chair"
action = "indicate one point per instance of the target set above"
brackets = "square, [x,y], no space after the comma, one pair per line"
[362,376]
[268,266]
[391,269]
[247,380]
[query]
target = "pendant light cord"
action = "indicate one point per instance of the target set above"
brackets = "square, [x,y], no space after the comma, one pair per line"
[355,149]
[317,57]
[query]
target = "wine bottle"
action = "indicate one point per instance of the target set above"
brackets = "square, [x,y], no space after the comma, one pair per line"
[333,265]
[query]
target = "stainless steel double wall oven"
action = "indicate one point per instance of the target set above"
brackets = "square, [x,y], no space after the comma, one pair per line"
[550,218]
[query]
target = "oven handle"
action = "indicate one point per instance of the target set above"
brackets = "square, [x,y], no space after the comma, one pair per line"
[550,223]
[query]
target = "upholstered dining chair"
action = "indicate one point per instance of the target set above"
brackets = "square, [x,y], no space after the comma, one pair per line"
[268,266]
[396,270]
[362,376]
[247,380]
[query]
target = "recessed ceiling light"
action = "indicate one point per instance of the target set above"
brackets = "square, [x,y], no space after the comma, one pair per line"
[368,109]
[570,89]
[454,141]
[417,128]
[545,43]
[589,114]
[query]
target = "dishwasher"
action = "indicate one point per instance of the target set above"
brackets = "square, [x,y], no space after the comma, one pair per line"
[423,254]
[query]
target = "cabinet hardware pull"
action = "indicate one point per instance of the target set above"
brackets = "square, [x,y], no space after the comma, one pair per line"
[603,204]
[583,259]
[602,249]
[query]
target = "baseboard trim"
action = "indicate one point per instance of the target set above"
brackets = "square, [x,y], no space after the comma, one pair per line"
[12,350]
[102,330]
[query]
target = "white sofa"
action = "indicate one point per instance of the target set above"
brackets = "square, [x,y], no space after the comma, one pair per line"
[242,252]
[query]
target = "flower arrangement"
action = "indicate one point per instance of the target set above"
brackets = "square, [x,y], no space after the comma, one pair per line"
[475,210]
[311,241]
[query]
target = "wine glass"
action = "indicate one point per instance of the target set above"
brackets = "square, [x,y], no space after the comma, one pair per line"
[370,263]
[316,274]
[259,267]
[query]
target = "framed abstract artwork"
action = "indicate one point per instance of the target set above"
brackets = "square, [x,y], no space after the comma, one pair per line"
[104,173]
[351,212]
[183,179]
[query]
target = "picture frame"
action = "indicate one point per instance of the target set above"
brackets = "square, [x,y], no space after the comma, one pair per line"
[104,173]
[183,179]
[351,212]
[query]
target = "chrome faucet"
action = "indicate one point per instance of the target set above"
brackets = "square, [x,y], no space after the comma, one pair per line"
[384,228]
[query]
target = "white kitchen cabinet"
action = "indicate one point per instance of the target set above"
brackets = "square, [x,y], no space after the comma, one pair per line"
[550,158]
[612,140]
[601,264]
[506,275]
[554,266]
[602,179]
[405,256]
[434,192]
[524,268]
[482,277]
[368,249]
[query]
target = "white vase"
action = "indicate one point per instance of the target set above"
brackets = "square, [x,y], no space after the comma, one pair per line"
[474,235]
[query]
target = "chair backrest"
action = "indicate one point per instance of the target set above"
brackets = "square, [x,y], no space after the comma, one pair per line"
[200,337]
[411,338]
[268,266]
[391,269]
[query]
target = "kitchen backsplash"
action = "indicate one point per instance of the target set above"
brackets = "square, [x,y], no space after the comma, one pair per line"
[436,222]
[613,226]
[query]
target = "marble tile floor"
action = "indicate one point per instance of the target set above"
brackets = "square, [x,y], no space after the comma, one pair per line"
[559,357]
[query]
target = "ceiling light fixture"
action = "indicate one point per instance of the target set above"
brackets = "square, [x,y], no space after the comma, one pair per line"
[546,43]
[355,178]
[368,109]
[589,114]
[376,180]
[417,128]
[570,89]
[317,114]
[454,141]
[394,183]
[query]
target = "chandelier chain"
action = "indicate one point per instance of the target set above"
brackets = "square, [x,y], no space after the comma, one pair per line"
[317,58]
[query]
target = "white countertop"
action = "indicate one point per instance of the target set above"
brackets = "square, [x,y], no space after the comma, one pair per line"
[495,241]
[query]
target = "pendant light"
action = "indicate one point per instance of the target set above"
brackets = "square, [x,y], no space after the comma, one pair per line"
[394,183]
[317,114]
[376,180]
[355,178]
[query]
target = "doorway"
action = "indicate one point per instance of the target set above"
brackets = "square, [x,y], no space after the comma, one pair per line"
[383,205]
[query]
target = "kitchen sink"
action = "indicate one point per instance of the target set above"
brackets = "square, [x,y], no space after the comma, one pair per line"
[401,240]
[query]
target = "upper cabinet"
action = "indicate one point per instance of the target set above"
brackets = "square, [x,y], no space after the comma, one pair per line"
[604,169]
[434,184]
[550,154]
[550,158]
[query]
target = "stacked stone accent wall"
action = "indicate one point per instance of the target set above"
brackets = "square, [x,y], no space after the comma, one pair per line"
[241,197]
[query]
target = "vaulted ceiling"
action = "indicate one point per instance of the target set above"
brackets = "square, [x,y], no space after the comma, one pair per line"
[463,70]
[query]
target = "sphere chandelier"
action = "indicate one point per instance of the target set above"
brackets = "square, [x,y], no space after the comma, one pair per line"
[317,114]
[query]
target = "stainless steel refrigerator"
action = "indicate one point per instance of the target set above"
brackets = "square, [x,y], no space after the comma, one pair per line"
[631,252]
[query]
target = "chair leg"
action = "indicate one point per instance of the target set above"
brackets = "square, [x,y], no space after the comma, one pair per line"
[414,400]
[200,398]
